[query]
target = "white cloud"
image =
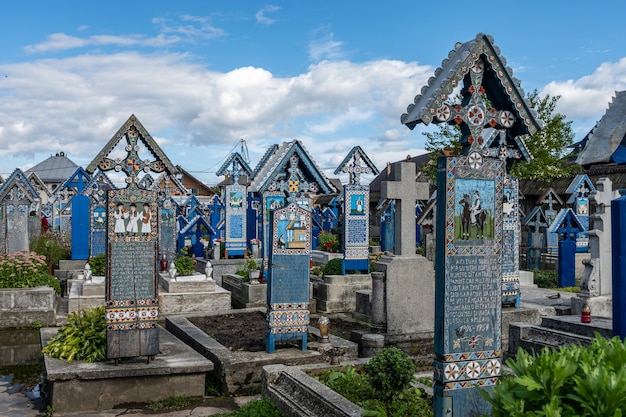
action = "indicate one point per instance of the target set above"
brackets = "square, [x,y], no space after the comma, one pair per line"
[261,15]
[189,29]
[325,47]
[76,104]
[587,98]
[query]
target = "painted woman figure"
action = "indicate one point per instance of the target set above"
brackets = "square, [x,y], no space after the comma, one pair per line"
[146,215]
[133,219]
[120,214]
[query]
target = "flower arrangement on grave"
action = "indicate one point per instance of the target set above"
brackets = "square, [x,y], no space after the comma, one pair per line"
[26,269]
[328,242]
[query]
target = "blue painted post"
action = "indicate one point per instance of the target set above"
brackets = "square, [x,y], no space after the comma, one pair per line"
[567,263]
[618,222]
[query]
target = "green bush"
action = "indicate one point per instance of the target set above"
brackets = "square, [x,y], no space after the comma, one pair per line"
[53,246]
[545,279]
[395,398]
[26,270]
[571,381]
[185,265]
[333,267]
[390,372]
[98,264]
[82,338]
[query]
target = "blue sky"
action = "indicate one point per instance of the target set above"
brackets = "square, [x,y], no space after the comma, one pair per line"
[201,75]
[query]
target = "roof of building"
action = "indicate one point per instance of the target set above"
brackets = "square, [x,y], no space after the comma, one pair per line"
[606,142]
[56,169]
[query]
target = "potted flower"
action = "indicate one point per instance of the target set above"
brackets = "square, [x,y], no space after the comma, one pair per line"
[250,271]
[255,244]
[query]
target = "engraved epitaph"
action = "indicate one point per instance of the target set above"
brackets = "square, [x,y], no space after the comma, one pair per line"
[468,289]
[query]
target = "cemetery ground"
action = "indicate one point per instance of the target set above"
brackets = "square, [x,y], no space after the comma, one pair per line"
[226,329]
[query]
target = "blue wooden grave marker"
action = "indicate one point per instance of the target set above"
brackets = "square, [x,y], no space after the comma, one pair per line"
[567,225]
[288,312]
[468,290]
[97,190]
[536,222]
[578,192]
[356,211]
[618,226]
[387,226]
[236,205]
[19,213]
[132,302]
[81,216]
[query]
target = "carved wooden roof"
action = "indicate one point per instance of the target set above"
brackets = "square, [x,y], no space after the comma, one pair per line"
[277,165]
[478,67]
[161,163]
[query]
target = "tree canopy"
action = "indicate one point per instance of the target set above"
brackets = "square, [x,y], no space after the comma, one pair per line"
[548,146]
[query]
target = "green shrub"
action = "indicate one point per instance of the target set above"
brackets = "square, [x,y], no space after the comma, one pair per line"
[82,338]
[390,372]
[185,265]
[98,264]
[26,270]
[571,381]
[401,402]
[53,246]
[333,267]
[546,279]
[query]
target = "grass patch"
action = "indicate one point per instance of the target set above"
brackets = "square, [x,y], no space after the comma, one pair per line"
[175,402]
[256,408]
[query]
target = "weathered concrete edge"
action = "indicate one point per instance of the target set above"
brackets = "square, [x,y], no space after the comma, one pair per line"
[175,358]
[319,396]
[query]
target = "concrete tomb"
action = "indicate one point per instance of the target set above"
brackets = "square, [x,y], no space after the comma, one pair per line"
[402,297]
